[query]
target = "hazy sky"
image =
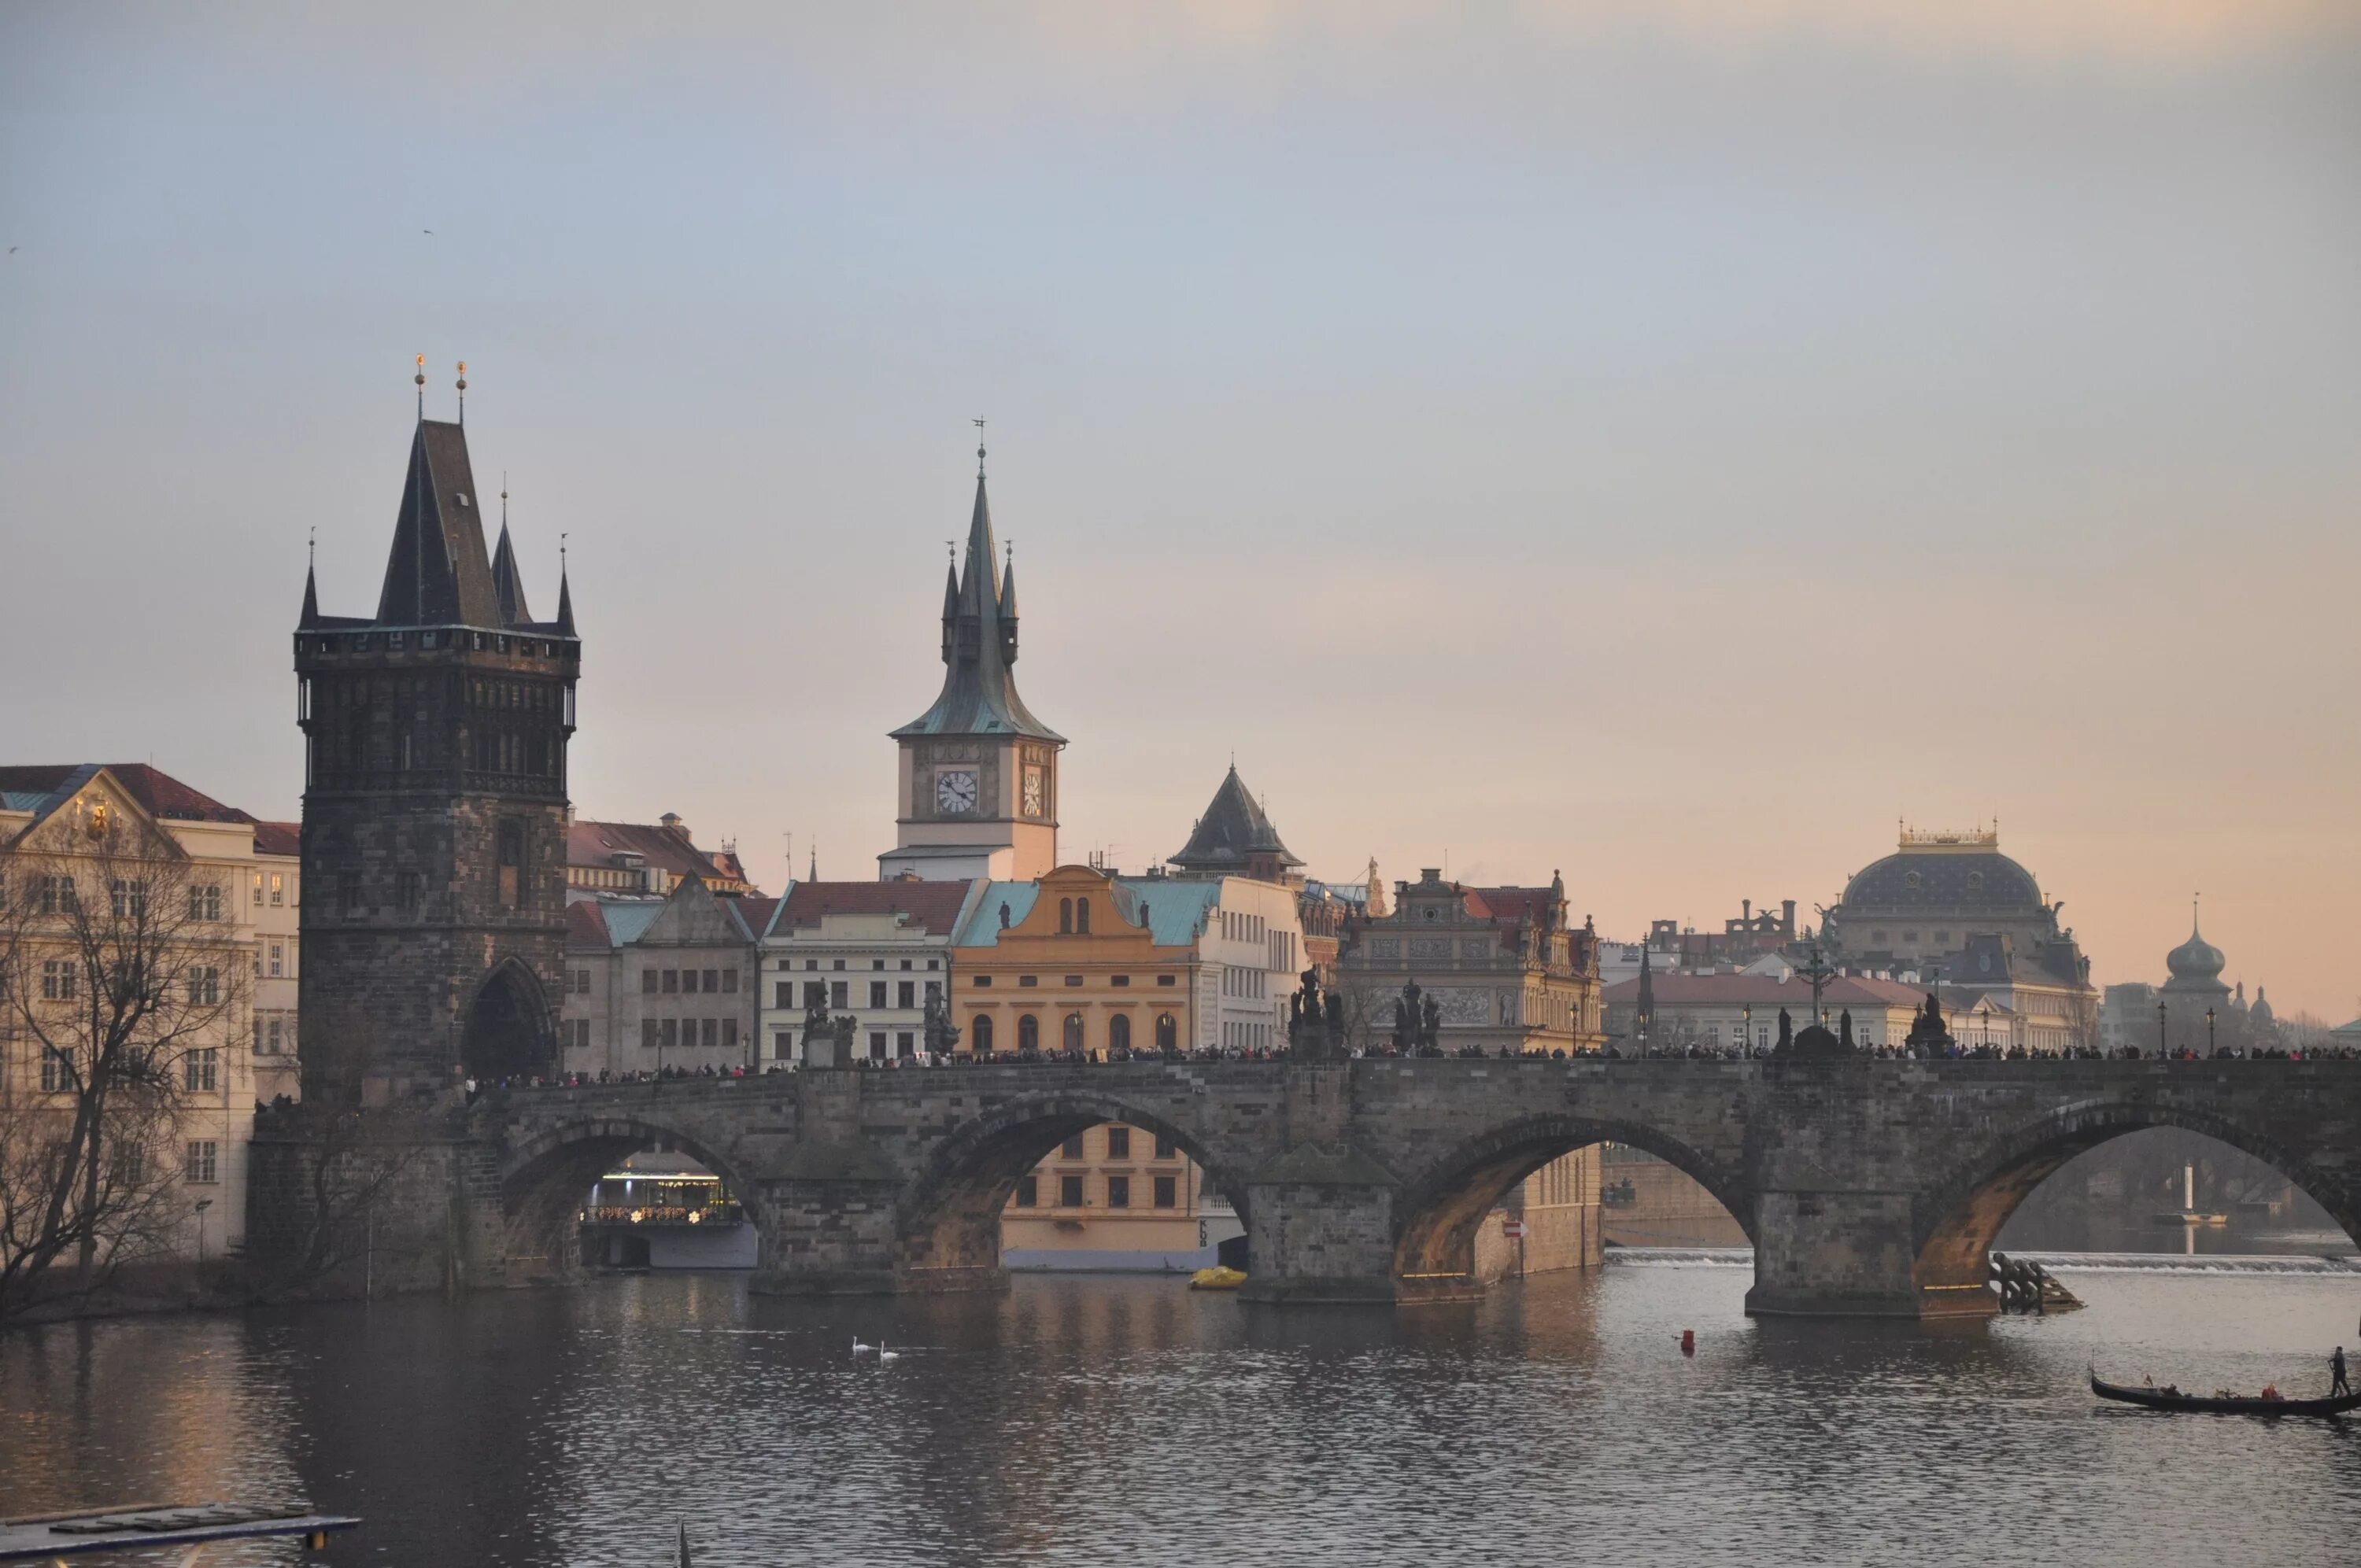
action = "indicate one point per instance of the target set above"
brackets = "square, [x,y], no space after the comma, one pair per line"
[1665,442]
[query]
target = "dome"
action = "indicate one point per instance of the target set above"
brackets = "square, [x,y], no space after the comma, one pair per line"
[1982,880]
[2195,959]
[2262,1013]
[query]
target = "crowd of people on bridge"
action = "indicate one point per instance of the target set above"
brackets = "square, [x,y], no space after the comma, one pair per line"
[1612,1051]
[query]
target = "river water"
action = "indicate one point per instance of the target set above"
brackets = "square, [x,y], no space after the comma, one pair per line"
[1100,1419]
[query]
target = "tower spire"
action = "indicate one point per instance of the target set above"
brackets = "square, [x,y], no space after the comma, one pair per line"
[421,381]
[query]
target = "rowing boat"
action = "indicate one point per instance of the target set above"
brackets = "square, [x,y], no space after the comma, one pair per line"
[2173,1400]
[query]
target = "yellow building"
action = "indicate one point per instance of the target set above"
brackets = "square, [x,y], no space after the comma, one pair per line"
[1114,1197]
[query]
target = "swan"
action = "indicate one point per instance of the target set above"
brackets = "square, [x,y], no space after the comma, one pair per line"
[858,1348]
[885,1355]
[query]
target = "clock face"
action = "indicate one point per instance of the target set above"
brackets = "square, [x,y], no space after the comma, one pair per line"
[1037,792]
[955,793]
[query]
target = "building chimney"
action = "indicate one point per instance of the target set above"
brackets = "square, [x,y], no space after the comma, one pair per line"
[1745,912]
[1787,915]
[671,819]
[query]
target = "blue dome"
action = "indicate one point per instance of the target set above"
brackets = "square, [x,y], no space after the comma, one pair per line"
[2195,959]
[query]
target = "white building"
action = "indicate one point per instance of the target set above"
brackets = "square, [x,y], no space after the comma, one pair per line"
[877,951]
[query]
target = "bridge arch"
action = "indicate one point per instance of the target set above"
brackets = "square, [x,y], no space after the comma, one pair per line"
[1956,1219]
[1439,1211]
[951,1210]
[508,1034]
[549,1171]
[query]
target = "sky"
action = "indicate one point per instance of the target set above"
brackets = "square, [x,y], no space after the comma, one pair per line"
[1665,442]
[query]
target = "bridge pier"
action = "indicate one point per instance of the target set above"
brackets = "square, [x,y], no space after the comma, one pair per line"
[1820,1253]
[1320,1228]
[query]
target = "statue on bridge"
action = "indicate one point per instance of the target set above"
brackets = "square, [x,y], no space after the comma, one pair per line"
[828,1041]
[942,1038]
[1927,1036]
[1315,1023]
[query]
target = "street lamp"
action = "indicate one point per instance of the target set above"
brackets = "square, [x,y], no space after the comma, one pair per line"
[1746,1029]
[1984,1021]
[2209,1031]
[2159,1028]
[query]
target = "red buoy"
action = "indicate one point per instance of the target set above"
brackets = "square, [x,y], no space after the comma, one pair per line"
[1688,1342]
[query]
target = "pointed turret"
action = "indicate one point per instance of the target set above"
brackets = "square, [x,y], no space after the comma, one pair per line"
[565,604]
[437,574]
[508,587]
[1646,1010]
[311,602]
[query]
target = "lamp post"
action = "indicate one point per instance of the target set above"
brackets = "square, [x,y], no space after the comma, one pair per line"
[2209,1031]
[2159,1028]
[1983,1022]
[1746,1029]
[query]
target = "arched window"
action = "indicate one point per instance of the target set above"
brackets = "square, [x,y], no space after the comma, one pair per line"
[978,1035]
[1028,1033]
[1065,916]
[1073,1032]
[511,863]
[1082,915]
[1168,1032]
[1119,1031]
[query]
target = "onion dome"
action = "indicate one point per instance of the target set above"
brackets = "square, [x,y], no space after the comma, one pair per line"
[2195,959]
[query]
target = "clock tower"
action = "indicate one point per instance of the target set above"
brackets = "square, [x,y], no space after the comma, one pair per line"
[978,782]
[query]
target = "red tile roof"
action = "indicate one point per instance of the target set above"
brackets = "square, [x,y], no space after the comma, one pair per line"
[668,848]
[585,925]
[931,906]
[159,793]
[279,838]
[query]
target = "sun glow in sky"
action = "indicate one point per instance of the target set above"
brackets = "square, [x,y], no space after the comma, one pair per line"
[1667,443]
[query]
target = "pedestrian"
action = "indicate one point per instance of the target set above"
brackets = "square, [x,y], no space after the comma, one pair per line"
[2337,1383]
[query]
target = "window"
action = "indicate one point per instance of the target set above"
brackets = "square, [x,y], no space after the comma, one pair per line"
[201,1070]
[671,981]
[877,1045]
[905,994]
[980,1034]
[712,983]
[708,1032]
[1119,1031]
[1118,1191]
[205,901]
[648,1034]
[811,963]
[783,993]
[1167,1192]
[1118,1142]
[1069,1192]
[1168,1032]
[582,982]
[278,960]
[1074,980]
[512,864]
[57,1071]
[729,982]
[648,981]
[1071,1034]
[1065,916]
[876,994]
[57,895]
[877,963]
[1028,1033]
[1023,979]
[409,889]
[275,1036]
[906,1044]
[906,963]
[205,986]
[930,963]
[59,978]
[837,997]
[983,982]
[257,889]
[670,1033]
[1071,1148]
[1165,1147]
[278,889]
[129,898]
[1164,980]
[783,1045]
[1082,916]
[1029,1191]
[1119,980]
[838,964]
[201,1165]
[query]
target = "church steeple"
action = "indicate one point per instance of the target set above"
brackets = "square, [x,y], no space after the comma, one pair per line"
[979,694]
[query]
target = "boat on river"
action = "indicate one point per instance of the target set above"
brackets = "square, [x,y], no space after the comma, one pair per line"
[2172,1399]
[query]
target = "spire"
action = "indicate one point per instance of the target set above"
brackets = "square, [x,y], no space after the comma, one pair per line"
[564,600]
[507,585]
[1235,836]
[436,573]
[1008,599]
[311,586]
[814,874]
[1647,1008]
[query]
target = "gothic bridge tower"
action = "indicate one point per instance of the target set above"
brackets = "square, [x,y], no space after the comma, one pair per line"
[978,785]
[434,807]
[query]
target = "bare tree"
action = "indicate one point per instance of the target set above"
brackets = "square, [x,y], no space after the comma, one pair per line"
[119,982]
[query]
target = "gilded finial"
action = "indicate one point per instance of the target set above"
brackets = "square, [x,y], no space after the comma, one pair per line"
[462,391]
[979,448]
[421,381]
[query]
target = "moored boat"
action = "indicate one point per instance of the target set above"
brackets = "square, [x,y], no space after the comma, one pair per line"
[2172,1399]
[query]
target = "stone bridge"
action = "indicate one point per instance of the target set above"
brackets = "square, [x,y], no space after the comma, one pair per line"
[1869,1188]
